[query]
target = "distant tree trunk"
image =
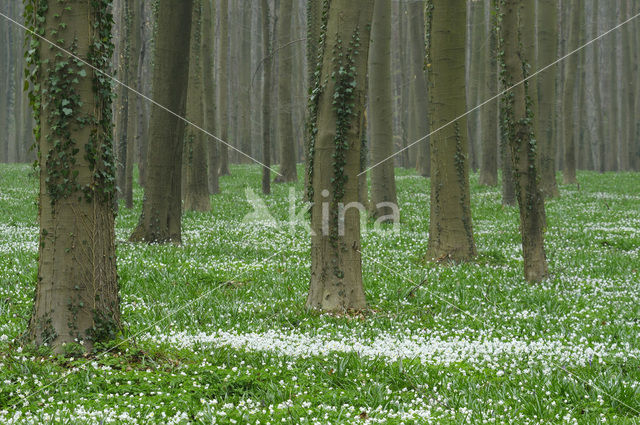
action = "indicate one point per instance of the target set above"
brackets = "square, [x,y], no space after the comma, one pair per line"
[518,113]
[143,75]
[223,91]
[612,84]
[597,95]
[76,297]
[210,99]
[568,103]
[529,41]
[489,112]
[420,96]
[450,225]
[196,197]
[314,30]
[636,118]
[547,53]
[629,69]
[161,210]
[383,184]
[474,71]
[406,89]
[134,102]
[336,265]
[122,98]
[5,76]
[267,75]
[285,136]
[244,75]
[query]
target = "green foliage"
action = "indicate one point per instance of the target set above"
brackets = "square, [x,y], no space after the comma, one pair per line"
[316,88]
[591,302]
[344,77]
[53,84]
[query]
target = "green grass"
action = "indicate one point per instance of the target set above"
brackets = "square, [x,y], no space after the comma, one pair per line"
[216,331]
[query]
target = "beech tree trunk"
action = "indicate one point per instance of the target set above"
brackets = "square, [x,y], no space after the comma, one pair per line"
[336,265]
[160,220]
[77,289]
[568,103]
[245,73]
[223,92]
[209,100]
[267,74]
[383,183]
[518,111]
[286,142]
[489,112]
[196,197]
[547,53]
[420,96]
[450,225]
[314,30]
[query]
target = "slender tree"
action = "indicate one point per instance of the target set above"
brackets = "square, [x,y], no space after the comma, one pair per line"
[77,289]
[285,137]
[160,220]
[489,112]
[267,76]
[547,19]
[450,225]
[568,104]
[196,196]
[210,99]
[122,99]
[383,184]
[419,95]
[223,91]
[338,105]
[244,75]
[517,115]
[314,30]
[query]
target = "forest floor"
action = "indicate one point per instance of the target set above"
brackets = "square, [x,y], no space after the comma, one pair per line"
[216,330]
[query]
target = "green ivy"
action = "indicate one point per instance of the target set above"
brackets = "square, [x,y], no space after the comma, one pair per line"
[58,93]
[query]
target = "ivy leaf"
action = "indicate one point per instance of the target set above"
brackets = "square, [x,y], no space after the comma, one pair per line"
[65,102]
[67,111]
[82,73]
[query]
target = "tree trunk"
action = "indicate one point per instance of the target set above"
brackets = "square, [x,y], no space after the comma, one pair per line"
[134,102]
[336,265]
[450,225]
[314,30]
[629,69]
[285,137]
[196,197]
[420,96]
[612,113]
[383,183]
[122,98]
[77,289]
[489,112]
[473,76]
[518,113]
[547,53]
[161,210]
[244,74]
[267,95]
[223,91]
[209,100]
[568,103]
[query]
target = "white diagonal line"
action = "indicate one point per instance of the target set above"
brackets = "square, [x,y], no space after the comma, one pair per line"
[507,90]
[142,95]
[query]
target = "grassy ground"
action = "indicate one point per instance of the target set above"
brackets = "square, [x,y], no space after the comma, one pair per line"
[216,330]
